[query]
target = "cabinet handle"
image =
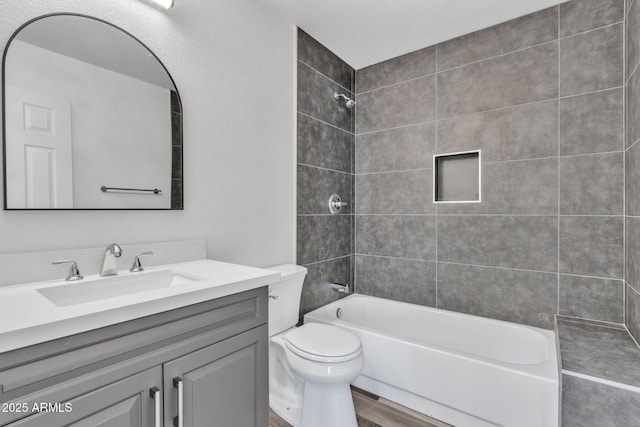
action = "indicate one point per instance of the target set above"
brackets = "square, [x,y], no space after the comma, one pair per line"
[179,420]
[155,395]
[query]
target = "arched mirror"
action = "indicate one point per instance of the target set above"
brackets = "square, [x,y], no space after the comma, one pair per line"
[92,119]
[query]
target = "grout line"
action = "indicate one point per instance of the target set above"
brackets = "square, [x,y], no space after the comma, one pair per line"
[587,321]
[396,83]
[590,322]
[497,56]
[394,127]
[326,123]
[520,160]
[634,143]
[558,138]
[631,74]
[624,168]
[592,154]
[325,76]
[326,260]
[324,169]
[609,383]
[590,277]
[633,287]
[392,171]
[590,92]
[591,30]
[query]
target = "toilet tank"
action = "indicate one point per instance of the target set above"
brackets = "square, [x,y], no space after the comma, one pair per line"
[284,297]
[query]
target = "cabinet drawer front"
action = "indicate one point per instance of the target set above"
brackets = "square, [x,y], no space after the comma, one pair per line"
[225,384]
[227,316]
[126,403]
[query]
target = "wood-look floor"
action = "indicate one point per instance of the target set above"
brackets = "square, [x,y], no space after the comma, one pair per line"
[372,411]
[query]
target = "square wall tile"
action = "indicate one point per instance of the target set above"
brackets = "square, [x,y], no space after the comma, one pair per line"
[315,186]
[517,133]
[317,290]
[407,192]
[323,237]
[592,123]
[591,298]
[406,280]
[400,236]
[529,30]
[590,403]
[592,184]
[409,147]
[315,98]
[323,145]
[522,242]
[599,351]
[406,103]
[498,82]
[633,312]
[582,15]
[511,295]
[318,57]
[592,246]
[591,61]
[401,68]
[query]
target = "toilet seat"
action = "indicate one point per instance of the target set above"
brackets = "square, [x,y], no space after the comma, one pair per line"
[323,343]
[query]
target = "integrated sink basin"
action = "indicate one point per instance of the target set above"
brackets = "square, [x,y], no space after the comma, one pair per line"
[115,286]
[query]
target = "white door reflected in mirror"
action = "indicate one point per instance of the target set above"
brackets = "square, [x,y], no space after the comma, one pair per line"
[39,156]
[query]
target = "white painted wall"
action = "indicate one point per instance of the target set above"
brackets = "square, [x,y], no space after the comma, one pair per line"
[232,63]
[120,126]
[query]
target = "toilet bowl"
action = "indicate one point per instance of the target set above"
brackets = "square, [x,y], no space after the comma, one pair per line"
[311,366]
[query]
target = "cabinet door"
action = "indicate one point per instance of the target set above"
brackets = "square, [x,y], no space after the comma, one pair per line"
[126,403]
[223,385]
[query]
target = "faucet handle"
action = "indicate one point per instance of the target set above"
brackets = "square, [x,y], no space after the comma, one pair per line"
[137,265]
[74,272]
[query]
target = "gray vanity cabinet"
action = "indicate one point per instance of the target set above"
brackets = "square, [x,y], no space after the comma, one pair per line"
[122,375]
[221,383]
[126,403]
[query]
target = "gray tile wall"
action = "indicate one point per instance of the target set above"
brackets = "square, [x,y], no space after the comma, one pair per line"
[542,97]
[632,170]
[325,159]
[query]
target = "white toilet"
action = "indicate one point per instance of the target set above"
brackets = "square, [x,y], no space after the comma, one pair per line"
[310,367]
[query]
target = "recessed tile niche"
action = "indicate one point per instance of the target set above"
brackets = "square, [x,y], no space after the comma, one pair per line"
[456,177]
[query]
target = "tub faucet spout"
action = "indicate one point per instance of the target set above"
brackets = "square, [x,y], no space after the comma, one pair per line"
[109,263]
[343,288]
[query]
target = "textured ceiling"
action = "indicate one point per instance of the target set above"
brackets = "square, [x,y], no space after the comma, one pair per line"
[364,32]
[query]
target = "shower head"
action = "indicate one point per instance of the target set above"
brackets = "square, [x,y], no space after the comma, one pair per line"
[348,102]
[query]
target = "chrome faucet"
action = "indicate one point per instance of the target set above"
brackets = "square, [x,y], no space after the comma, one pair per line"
[137,265]
[74,271]
[109,263]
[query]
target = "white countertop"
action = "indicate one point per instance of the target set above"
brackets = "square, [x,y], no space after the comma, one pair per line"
[27,317]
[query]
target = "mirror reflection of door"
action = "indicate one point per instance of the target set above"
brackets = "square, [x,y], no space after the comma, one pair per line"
[40,156]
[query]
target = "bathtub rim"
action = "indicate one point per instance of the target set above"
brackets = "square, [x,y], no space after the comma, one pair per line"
[548,370]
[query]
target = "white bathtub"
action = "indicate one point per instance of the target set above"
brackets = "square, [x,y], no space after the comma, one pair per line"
[462,369]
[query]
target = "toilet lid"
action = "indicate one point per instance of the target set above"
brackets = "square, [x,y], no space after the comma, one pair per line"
[317,341]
